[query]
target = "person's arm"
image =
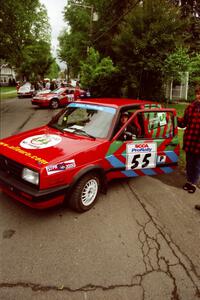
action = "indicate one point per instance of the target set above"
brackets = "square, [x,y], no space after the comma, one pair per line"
[182,122]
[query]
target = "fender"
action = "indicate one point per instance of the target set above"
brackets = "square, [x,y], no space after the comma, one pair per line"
[88,169]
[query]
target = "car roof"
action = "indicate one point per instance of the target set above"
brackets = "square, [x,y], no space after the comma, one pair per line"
[117,102]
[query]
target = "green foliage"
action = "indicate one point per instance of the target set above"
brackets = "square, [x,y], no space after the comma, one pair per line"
[176,63]
[179,62]
[195,69]
[141,38]
[53,71]
[147,35]
[25,36]
[36,60]
[191,9]
[95,70]
[73,49]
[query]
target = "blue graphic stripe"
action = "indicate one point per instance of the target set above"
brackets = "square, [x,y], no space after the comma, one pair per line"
[129,173]
[107,109]
[148,171]
[172,155]
[167,169]
[114,161]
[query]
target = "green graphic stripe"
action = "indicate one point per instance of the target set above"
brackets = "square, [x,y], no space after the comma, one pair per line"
[114,147]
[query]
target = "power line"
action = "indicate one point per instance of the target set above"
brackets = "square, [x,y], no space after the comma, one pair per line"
[117,20]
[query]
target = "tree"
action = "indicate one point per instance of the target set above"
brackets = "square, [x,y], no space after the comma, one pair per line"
[195,69]
[37,60]
[95,71]
[25,31]
[176,63]
[147,35]
[53,71]
[191,9]
[72,49]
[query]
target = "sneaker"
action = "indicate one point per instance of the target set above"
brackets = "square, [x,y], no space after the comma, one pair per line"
[187,186]
[197,207]
[192,189]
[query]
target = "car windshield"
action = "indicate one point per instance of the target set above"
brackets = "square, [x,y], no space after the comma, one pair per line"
[25,88]
[60,90]
[85,119]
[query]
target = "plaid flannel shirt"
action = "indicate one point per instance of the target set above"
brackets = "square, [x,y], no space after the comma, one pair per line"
[191,122]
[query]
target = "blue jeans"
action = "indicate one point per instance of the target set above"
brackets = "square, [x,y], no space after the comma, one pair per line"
[192,167]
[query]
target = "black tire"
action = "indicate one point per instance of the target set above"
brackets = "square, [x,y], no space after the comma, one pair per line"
[54,104]
[85,192]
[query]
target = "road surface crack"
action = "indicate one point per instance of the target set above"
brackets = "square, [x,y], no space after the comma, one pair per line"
[153,241]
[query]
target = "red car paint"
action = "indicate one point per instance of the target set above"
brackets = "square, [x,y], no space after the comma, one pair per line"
[61,153]
[62,96]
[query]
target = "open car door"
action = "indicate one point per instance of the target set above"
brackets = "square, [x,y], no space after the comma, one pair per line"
[155,150]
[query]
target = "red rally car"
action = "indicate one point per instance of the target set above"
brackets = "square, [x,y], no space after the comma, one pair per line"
[82,148]
[57,98]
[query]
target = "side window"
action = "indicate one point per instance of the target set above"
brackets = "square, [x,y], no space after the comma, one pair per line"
[158,124]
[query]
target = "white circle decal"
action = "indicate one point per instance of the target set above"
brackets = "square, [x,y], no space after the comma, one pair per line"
[40,141]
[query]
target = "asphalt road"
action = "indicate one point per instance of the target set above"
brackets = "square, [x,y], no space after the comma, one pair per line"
[141,241]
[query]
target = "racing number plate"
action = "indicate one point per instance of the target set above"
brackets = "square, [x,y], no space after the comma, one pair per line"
[141,155]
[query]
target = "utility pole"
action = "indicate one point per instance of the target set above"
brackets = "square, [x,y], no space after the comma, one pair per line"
[93,16]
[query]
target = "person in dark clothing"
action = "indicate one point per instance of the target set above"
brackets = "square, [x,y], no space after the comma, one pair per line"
[191,143]
[130,131]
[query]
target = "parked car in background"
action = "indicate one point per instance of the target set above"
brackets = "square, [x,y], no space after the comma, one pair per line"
[59,97]
[26,90]
[82,148]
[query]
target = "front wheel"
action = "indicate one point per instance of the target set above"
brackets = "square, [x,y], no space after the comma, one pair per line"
[85,193]
[54,104]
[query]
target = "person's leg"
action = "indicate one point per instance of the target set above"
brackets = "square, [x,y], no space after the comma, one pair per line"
[195,166]
[193,171]
[197,172]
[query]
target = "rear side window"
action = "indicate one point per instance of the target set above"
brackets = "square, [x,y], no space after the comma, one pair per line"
[157,124]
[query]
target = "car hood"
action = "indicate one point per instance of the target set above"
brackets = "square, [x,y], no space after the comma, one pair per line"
[25,88]
[44,95]
[44,146]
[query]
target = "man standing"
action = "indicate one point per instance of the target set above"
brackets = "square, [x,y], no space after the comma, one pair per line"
[191,143]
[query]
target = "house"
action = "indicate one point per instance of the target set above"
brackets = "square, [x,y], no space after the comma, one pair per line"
[178,90]
[7,74]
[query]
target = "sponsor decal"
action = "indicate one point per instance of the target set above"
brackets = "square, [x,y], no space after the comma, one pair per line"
[107,109]
[161,159]
[62,166]
[141,155]
[25,153]
[40,141]
[162,118]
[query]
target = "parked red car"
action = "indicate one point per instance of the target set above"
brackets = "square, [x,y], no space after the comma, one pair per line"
[57,98]
[79,151]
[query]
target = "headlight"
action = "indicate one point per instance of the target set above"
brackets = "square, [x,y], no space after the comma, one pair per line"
[30,176]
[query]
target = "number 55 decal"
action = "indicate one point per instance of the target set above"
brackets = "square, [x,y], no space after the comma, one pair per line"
[141,155]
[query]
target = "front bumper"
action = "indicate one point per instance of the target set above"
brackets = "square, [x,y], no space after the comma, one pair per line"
[41,103]
[31,197]
[25,95]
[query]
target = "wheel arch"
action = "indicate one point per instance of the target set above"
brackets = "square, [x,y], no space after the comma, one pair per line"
[54,98]
[92,169]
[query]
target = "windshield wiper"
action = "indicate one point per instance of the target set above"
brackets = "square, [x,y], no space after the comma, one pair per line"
[77,130]
[56,127]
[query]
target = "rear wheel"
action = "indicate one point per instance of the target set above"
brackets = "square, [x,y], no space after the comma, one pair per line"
[85,193]
[54,104]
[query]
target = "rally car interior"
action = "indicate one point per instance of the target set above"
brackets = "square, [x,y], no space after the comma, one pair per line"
[147,125]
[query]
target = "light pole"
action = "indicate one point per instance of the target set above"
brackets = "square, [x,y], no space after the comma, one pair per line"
[93,15]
